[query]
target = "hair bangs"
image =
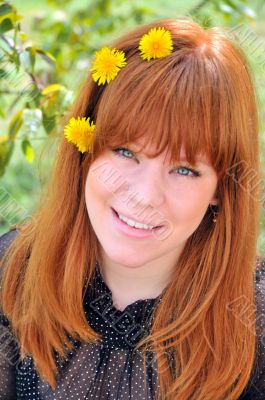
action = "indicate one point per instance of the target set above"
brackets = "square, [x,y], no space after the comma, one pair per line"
[161,105]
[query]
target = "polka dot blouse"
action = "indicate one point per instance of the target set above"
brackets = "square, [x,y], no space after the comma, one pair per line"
[111,369]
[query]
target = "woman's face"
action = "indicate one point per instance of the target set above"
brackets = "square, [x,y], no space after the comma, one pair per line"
[149,191]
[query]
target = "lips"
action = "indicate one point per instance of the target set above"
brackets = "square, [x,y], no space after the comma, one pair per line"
[157,226]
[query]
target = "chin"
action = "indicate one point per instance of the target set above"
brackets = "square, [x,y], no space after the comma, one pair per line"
[126,262]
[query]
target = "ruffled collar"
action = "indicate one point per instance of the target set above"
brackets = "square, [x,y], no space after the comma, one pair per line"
[120,329]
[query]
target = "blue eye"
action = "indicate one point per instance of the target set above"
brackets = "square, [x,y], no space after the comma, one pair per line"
[120,151]
[117,151]
[195,173]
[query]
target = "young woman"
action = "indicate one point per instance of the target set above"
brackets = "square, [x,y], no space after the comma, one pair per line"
[138,276]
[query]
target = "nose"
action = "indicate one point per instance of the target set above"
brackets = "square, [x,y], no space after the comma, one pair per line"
[146,189]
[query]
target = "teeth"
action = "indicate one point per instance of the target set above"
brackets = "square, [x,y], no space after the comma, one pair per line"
[130,222]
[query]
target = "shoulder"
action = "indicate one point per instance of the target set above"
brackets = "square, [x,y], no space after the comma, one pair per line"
[260,297]
[9,354]
[256,386]
[260,268]
[6,239]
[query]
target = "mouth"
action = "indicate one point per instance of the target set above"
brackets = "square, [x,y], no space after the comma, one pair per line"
[137,229]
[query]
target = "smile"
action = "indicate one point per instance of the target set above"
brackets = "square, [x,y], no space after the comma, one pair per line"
[132,228]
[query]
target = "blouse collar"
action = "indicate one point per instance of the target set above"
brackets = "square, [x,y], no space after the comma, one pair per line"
[119,328]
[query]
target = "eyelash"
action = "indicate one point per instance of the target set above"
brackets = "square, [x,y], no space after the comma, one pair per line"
[196,173]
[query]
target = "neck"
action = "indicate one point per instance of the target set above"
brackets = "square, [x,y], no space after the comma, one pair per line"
[129,284]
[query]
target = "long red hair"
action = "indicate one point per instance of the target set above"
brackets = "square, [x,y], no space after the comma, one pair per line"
[201,96]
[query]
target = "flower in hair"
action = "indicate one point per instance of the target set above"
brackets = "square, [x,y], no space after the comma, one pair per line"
[156,43]
[107,64]
[80,132]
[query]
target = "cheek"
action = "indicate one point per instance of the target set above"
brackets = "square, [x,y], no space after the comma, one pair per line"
[191,203]
[94,192]
[98,183]
[185,218]
[106,182]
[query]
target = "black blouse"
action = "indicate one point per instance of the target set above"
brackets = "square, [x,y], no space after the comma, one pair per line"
[111,369]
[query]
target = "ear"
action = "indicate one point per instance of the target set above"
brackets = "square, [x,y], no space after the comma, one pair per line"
[215,199]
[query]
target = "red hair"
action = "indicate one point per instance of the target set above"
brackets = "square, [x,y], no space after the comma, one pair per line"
[200,96]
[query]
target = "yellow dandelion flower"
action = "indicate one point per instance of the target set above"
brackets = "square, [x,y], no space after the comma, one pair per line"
[107,64]
[156,43]
[80,132]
